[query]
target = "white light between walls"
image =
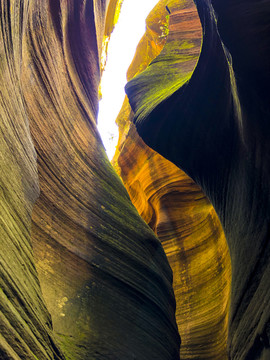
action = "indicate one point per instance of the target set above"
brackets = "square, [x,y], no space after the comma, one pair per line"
[121,49]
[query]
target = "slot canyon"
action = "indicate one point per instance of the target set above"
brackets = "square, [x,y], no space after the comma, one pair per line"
[164,252]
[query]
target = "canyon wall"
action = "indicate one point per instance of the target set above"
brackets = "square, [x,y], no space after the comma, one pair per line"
[172,204]
[25,324]
[213,123]
[99,285]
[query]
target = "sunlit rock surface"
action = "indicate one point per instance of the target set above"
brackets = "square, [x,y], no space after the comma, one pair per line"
[214,124]
[174,206]
[103,273]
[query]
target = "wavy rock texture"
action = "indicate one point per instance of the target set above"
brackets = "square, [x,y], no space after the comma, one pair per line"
[174,206]
[103,272]
[214,124]
[25,325]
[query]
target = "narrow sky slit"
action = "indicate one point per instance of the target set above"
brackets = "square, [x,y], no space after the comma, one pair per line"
[121,49]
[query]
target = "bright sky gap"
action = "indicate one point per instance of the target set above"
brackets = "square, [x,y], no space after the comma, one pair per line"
[121,49]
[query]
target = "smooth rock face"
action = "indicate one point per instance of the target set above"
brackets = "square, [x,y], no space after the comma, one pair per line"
[104,275]
[192,237]
[174,206]
[214,124]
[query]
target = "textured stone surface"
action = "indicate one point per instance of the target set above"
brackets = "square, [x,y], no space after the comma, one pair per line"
[214,124]
[175,207]
[103,273]
[25,324]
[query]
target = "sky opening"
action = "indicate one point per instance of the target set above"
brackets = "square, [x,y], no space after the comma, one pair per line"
[121,49]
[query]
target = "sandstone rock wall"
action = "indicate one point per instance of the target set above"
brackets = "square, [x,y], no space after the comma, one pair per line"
[25,324]
[214,124]
[172,204]
[104,276]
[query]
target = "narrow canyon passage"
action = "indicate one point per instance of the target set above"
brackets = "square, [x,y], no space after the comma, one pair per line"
[128,259]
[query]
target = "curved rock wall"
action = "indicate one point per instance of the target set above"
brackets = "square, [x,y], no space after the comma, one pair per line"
[173,205]
[214,124]
[25,324]
[105,278]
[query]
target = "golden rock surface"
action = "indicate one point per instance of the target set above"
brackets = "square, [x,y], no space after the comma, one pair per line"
[174,206]
[213,122]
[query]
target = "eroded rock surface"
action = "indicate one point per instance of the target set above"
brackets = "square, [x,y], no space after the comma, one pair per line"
[25,324]
[103,273]
[173,205]
[214,124]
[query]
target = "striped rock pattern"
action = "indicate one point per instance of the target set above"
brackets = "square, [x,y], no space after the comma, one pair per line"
[106,282]
[173,205]
[25,324]
[214,124]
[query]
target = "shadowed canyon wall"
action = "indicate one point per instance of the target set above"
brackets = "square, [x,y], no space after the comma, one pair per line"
[214,124]
[106,282]
[173,205]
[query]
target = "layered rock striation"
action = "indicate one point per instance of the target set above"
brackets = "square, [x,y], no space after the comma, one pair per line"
[171,203]
[25,324]
[213,124]
[106,282]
